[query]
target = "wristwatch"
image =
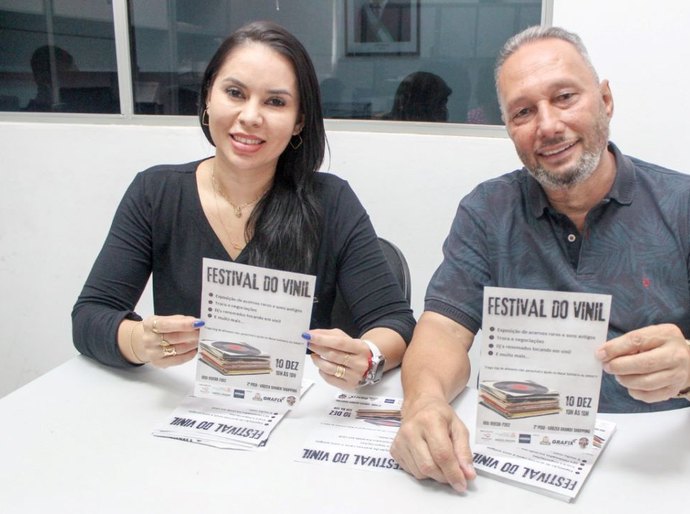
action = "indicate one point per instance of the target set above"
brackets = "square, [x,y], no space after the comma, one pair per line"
[376,363]
[685,393]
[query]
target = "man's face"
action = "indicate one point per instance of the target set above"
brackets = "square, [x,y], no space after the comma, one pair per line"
[555,112]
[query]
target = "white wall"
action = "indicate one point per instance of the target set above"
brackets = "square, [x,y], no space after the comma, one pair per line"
[61,183]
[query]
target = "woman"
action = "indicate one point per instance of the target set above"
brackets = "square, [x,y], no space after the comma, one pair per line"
[257,201]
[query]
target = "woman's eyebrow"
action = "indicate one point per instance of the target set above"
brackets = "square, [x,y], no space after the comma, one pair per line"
[233,80]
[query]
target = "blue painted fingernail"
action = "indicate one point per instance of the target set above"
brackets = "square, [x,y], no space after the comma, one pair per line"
[199,323]
[306,335]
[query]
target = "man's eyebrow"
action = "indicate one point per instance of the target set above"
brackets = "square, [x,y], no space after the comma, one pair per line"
[553,87]
[560,84]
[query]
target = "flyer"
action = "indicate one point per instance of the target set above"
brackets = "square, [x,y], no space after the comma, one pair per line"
[251,348]
[220,423]
[223,423]
[539,378]
[553,473]
[356,432]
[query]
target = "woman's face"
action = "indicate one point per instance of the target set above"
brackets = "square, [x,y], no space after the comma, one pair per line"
[253,109]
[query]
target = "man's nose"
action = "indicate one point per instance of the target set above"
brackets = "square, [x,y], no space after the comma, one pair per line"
[549,122]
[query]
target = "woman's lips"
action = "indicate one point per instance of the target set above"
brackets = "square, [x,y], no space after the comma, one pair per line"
[244,143]
[248,140]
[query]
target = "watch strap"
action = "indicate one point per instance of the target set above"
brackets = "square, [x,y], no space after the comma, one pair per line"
[376,363]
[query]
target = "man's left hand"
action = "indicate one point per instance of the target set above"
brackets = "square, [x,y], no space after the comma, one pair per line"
[652,362]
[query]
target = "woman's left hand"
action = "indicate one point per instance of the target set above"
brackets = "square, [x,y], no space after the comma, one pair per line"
[342,360]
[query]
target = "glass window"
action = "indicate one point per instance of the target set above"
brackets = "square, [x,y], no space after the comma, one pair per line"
[58,56]
[418,60]
[171,43]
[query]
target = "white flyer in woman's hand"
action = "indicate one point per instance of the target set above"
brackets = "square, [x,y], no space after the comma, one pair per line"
[251,346]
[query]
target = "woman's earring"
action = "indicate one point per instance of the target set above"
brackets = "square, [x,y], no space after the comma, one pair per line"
[204,118]
[299,143]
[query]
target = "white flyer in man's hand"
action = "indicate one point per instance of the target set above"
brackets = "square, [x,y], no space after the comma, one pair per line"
[539,378]
[251,346]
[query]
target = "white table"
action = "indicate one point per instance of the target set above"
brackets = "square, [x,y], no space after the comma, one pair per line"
[78,439]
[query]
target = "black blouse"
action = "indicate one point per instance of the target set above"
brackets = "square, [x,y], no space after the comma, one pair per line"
[160,228]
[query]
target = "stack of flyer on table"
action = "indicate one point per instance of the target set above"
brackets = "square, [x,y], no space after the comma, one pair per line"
[549,470]
[223,424]
[356,431]
[251,356]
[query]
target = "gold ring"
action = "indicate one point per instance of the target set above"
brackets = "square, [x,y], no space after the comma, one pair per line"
[347,359]
[154,329]
[164,343]
[339,371]
[169,351]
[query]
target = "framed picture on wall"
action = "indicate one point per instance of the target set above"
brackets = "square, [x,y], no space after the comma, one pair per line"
[375,27]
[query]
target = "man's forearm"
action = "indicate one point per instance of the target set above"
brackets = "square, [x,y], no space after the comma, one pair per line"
[436,364]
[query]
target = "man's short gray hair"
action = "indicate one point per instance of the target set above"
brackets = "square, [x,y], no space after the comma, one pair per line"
[538,33]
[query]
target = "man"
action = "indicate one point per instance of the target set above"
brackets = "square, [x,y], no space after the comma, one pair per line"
[49,65]
[580,216]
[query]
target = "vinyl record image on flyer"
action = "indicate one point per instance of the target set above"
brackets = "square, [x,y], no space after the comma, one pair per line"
[229,358]
[513,387]
[235,349]
[518,399]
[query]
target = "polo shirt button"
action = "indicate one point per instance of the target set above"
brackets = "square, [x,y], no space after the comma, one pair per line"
[572,238]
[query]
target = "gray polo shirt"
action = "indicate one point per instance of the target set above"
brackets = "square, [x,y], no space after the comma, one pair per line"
[635,246]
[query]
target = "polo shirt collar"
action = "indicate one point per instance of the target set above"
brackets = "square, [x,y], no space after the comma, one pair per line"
[624,185]
[621,191]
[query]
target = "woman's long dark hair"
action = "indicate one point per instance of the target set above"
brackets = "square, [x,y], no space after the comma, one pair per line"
[284,225]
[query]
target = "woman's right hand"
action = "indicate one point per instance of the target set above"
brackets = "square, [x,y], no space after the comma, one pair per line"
[161,340]
[342,360]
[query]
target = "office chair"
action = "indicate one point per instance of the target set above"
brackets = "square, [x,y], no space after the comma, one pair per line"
[341,317]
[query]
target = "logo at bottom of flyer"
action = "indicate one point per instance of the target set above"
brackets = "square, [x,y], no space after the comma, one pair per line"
[524,438]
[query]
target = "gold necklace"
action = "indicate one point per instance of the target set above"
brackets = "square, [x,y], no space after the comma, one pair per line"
[235,245]
[236,208]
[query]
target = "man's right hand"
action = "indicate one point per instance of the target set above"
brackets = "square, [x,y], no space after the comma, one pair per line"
[432,442]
